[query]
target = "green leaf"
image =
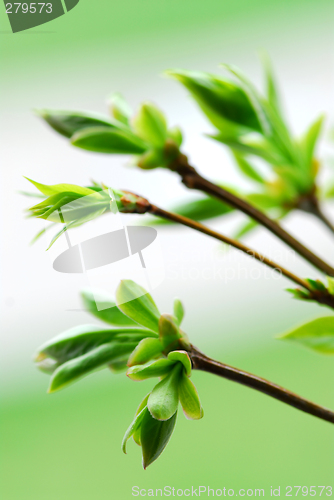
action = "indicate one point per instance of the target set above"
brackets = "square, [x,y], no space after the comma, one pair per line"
[157,368]
[107,140]
[316,285]
[317,335]
[246,228]
[182,357]
[189,399]
[175,134]
[262,149]
[222,101]
[110,313]
[137,432]
[150,125]
[50,190]
[146,350]
[80,340]
[330,282]
[152,158]
[68,123]
[202,209]
[119,108]
[169,332]
[247,168]
[154,436]
[253,97]
[309,141]
[77,368]
[178,311]
[133,427]
[271,86]
[164,399]
[134,301]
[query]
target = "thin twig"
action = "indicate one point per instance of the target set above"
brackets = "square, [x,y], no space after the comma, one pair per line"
[193,180]
[202,362]
[234,243]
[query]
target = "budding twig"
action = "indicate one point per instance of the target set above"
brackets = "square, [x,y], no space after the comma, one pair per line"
[204,363]
[193,180]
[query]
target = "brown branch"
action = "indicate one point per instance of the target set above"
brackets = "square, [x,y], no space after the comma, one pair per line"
[202,362]
[193,180]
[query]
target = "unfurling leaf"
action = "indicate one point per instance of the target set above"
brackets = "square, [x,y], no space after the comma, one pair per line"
[146,350]
[157,368]
[80,340]
[164,399]
[317,335]
[183,357]
[178,311]
[133,428]
[137,304]
[169,332]
[97,358]
[154,436]
[189,399]
[67,123]
[109,140]
[224,102]
[110,313]
[119,108]
[150,125]
[200,209]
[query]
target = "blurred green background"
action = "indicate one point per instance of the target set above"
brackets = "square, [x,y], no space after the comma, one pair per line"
[67,446]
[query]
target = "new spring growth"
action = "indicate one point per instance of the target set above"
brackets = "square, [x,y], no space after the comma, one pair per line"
[74,205]
[144,136]
[142,340]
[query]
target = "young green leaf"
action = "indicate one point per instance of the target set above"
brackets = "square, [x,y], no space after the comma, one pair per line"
[157,368]
[178,311]
[146,350]
[169,332]
[134,301]
[83,365]
[271,86]
[247,168]
[183,357]
[164,399]
[50,190]
[68,123]
[137,432]
[317,335]
[221,100]
[309,141]
[189,399]
[133,427]
[154,436]
[110,313]
[150,125]
[119,108]
[81,339]
[176,135]
[200,209]
[108,140]
[330,282]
